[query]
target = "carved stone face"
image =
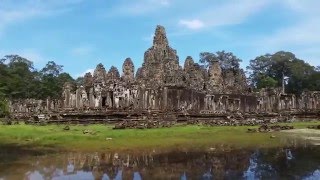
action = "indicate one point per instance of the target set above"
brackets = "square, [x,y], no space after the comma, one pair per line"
[160,37]
[128,70]
[188,64]
[99,74]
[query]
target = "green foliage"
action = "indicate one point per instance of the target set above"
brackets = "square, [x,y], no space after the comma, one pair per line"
[226,59]
[16,76]
[52,80]
[269,70]
[4,108]
[19,79]
[52,69]
[313,81]
[79,81]
[266,81]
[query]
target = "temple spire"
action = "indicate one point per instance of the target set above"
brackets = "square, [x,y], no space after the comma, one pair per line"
[160,37]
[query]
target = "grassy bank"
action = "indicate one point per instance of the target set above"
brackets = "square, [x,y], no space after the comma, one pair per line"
[103,138]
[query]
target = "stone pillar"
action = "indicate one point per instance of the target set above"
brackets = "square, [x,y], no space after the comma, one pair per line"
[78,98]
[73,100]
[116,102]
[207,102]
[91,98]
[145,99]
[165,97]
[227,104]
[153,99]
[239,105]
[48,104]
[66,99]
[213,103]
[178,97]
[52,105]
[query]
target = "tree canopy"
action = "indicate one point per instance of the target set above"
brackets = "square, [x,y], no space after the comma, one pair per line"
[227,60]
[270,70]
[19,79]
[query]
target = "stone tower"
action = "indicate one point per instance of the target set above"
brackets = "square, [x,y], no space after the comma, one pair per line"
[113,74]
[161,63]
[160,38]
[215,79]
[99,74]
[195,74]
[128,71]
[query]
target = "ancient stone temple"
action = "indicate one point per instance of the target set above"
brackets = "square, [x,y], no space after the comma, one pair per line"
[162,87]
[128,71]
[235,82]
[161,63]
[215,82]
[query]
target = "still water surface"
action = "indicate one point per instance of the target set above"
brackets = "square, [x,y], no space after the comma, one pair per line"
[277,163]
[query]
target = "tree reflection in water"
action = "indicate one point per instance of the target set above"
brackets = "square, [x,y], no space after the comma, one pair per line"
[290,163]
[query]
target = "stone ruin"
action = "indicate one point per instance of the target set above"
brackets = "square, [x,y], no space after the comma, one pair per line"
[161,88]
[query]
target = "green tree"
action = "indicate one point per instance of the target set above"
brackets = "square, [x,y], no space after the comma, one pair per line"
[17,77]
[3,77]
[52,68]
[271,70]
[19,80]
[52,80]
[79,81]
[227,60]
[313,82]
[4,108]
[266,81]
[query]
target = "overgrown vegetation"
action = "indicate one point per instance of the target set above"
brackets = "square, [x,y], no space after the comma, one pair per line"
[270,70]
[103,138]
[19,79]
[4,108]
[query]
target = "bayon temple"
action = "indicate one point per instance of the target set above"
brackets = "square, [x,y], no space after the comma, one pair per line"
[162,88]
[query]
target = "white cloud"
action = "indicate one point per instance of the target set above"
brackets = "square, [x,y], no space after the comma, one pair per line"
[82,50]
[307,6]
[148,38]
[192,24]
[164,2]
[12,12]
[301,37]
[38,59]
[139,7]
[230,13]
[302,33]
[310,55]
[90,70]
[30,54]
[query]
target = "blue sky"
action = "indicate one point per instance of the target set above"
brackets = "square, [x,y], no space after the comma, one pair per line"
[79,34]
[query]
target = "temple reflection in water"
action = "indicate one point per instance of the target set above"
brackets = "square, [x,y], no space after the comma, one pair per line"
[290,163]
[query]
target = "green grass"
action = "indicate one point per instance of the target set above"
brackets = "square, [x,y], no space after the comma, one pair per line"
[53,136]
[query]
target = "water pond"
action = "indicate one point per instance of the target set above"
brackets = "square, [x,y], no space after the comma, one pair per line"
[298,162]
